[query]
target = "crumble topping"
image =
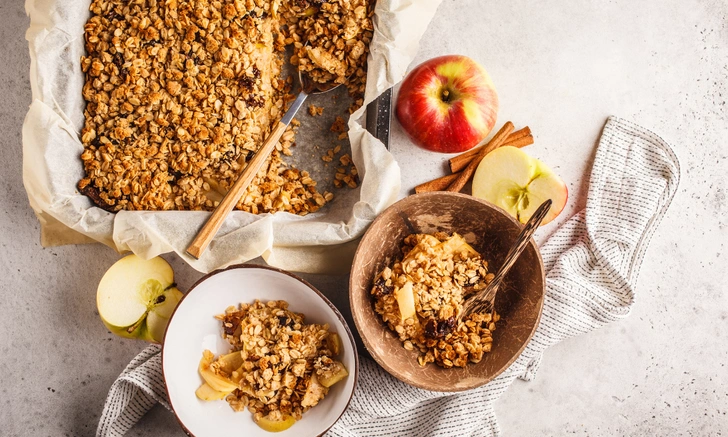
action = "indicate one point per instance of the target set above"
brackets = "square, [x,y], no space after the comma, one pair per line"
[181,94]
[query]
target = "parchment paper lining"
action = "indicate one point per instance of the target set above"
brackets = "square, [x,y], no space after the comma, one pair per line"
[52,167]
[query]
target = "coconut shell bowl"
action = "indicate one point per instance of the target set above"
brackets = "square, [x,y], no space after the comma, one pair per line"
[489,230]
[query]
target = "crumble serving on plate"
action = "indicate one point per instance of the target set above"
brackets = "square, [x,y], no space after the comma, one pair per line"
[420,298]
[279,366]
[181,93]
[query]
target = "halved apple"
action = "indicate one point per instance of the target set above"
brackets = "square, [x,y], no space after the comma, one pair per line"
[511,179]
[136,297]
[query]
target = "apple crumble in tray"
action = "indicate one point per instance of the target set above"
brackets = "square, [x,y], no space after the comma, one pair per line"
[181,93]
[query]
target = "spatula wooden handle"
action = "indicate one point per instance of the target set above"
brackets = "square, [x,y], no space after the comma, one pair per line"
[208,231]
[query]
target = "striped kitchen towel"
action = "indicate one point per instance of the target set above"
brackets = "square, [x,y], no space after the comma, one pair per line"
[592,263]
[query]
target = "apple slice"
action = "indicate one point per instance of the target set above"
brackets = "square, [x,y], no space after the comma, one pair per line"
[314,392]
[275,425]
[457,244]
[230,362]
[136,298]
[511,179]
[207,393]
[426,241]
[217,382]
[406,301]
[333,374]
[333,342]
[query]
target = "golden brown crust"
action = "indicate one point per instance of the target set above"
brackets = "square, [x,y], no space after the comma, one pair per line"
[180,95]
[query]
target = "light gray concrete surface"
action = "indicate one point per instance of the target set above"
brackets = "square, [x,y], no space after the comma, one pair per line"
[560,67]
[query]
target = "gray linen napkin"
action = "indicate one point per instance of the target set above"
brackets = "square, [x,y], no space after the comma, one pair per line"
[592,263]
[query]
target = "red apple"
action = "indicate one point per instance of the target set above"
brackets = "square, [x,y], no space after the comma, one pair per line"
[447,104]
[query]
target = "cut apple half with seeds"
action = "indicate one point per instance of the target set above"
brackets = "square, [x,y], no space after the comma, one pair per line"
[513,180]
[136,297]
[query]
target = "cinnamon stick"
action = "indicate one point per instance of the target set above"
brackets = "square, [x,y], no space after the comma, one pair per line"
[525,131]
[461,161]
[441,183]
[467,173]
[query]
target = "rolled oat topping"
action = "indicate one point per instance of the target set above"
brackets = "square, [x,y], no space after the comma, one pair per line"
[285,366]
[181,93]
[420,298]
[331,41]
[315,110]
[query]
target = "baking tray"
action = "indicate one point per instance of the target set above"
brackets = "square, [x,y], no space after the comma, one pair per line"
[314,140]
[379,117]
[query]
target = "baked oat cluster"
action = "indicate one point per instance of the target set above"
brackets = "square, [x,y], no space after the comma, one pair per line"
[181,94]
[331,41]
[281,365]
[420,297]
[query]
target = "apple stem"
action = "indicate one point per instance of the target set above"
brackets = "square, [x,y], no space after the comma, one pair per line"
[445,97]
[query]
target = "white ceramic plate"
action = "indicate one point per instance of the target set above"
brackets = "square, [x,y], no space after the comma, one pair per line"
[193,328]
